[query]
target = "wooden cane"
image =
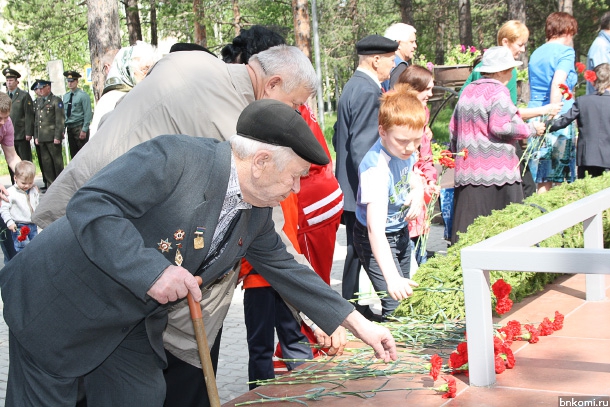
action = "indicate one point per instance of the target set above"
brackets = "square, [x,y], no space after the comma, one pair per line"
[204,350]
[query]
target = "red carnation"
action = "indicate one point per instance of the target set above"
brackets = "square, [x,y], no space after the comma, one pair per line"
[507,335]
[501,288]
[590,76]
[557,321]
[499,364]
[510,358]
[504,305]
[546,327]
[580,67]
[465,151]
[436,362]
[446,153]
[451,387]
[498,345]
[532,333]
[514,327]
[25,230]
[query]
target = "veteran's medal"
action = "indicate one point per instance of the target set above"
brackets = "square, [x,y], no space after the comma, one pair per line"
[198,242]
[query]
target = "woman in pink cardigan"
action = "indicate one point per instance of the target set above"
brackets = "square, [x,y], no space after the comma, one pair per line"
[487,123]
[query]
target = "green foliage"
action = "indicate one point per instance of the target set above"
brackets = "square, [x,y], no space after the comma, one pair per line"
[329,131]
[446,270]
[461,55]
[440,127]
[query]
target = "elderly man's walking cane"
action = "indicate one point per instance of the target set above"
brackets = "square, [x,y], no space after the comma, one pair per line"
[204,350]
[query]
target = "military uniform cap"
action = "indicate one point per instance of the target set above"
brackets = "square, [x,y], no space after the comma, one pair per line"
[35,84]
[72,75]
[10,73]
[273,122]
[375,44]
[42,83]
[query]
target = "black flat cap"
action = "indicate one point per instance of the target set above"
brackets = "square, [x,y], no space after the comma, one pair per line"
[375,44]
[71,75]
[10,73]
[273,122]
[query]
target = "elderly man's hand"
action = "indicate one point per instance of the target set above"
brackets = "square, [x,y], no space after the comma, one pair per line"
[175,283]
[376,336]
[335,343]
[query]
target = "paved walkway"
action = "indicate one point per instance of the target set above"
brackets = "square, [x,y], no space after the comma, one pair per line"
[233,361]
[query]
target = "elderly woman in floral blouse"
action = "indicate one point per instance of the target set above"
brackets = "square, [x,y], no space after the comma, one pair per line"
[487,123]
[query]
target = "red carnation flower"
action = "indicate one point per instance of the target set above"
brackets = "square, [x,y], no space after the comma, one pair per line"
[507,335]
[451,387]
[580,67]
[546,327]
[510,358]
[514,327]
[504,305]
[436,362]
[501,288]
[21,238]
[532,333]
[465,151]
[499,365]
[498,345]
[557,321]
[25,230]
[446,153]
[590,76]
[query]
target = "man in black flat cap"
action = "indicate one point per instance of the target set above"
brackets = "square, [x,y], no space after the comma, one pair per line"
[355,134]
[77,107]
[22,115]
[133,239]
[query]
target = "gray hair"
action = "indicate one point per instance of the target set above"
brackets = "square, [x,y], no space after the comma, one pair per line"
[602,72]
[399,32]
[291,64]
[143,56]
[244,147]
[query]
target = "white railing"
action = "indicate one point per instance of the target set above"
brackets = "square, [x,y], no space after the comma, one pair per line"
[513,251]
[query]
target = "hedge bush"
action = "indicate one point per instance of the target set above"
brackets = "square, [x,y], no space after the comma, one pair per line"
[445,271]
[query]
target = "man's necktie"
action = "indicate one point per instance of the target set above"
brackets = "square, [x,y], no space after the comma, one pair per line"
[11,94]
[70,105]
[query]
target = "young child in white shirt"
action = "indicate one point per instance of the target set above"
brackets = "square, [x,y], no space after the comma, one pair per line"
[22,201]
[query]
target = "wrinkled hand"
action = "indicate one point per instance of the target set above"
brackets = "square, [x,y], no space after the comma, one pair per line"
[175,283]
[377,337]
[540,128]
[553,108]
[399,287]
[335,343]
[55,141]
[82,135]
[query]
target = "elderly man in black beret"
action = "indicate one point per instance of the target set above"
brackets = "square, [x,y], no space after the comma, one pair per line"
[355,133]
[133,239]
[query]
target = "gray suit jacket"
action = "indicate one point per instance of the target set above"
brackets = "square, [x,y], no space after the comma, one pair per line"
[593,115]
[77,290]
[355,132]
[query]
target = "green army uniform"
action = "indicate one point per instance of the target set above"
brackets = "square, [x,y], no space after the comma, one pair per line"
[77,107]
[49,126]
[22,115]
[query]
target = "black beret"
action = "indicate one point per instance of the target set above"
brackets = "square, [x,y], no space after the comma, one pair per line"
[273,122]
[188,46]
[375,44]
[72,75]
[10,73]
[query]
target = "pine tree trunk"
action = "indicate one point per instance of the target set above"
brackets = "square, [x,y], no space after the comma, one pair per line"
[104,35]
[465,22]
[236,17]
[133,21]
[153,23]
[566,6]
[406,11]
[302,26]
[199,18]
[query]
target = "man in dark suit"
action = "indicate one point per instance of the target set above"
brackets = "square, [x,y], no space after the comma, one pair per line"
[355,133]
[22,115]
[131,241]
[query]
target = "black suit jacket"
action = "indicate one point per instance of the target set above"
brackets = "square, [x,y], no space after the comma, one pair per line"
[355,132]
[78,289]
[593,115]
[22,114]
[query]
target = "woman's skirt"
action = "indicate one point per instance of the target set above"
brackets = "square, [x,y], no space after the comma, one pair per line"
[472,201]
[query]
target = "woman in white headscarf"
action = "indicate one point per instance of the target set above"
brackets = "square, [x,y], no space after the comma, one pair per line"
[129,67]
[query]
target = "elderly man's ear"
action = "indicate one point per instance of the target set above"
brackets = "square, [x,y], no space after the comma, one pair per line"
[260,160]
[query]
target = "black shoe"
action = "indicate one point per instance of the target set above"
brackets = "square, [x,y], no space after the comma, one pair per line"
[366,312]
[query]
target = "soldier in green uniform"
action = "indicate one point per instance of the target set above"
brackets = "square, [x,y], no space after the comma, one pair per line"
[77,106]
[22,115]
[48,131]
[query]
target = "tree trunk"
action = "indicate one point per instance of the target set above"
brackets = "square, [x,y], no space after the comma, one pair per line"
[465,22]
[133,21]
[406,11]
[566,6]
[104,35]
[302,26]
[516,10]
[199,18]
[353,16]
[236,17]
[439,54]
[153,23]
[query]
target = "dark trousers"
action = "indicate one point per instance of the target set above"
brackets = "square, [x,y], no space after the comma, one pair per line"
[130,376]
[400,245]
[51,160]
[8,248]
[264,311]
[351,267]
[24,151]
[185,384]
[592,170]
[74,140]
